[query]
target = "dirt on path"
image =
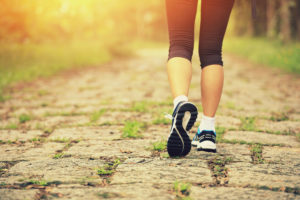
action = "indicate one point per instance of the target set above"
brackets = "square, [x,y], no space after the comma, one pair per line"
[100,133]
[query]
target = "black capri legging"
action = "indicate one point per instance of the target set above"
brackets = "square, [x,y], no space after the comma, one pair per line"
[214,19]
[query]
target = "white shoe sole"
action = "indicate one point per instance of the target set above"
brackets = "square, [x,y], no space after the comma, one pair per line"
[207,146]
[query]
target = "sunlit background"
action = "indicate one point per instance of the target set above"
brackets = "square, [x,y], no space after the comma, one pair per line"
[40,38]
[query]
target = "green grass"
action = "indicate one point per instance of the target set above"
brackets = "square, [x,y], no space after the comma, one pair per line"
[279,116]
[161,120]
[140,106]
[182,190]
[159,146]
[36,182]
[28,61]
[11,126]
[109,168]
[264,51]
[247,124]
[24,118]
[96,115]
[220,133]
[256,154]
[58,155]
[132,129]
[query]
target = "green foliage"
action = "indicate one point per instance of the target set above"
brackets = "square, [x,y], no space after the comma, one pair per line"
[159,145]
[109,168]
[220,133]
[132,129]
[140,106]
[182,190]
[11,126]
[247,124]
[161,120]
[29,61]
[24,118]
[279,116]
[60,140]
[58,155]
[37,182]
[218,168]
[96,115]
[256,153]
[268,52]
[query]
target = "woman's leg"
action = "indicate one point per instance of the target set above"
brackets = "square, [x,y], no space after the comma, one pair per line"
[181,18]
[214,19]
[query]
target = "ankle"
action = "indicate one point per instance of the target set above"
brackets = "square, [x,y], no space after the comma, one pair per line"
[207,123]
[179,99]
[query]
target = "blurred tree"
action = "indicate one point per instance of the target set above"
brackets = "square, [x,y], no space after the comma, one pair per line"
[285,15]
[272,18]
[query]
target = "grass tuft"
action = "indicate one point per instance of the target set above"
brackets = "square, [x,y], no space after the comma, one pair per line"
[96,115]
[247,124]
[256,154]
[132,129]
[182,190]
[24,118]
[58,155]
[159,146]
[109,168]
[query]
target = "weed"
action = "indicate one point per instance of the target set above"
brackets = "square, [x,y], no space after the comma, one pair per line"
[298,136]
[109,168]
[43,92]
[58,155]
[182,190]
[247,123]
[230,105]
[256,154]
[132,129]
[11,126]
[279,116]
[161,121]
[60,140]
[220,131]
[24,118]
[36,182]
[37,139]
[159,146]
[218,169]
[140,106]
[44,104]
[165,155]
[96,115]
[48,130]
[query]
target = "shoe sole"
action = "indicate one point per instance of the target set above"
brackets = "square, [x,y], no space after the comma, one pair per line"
[207,150]
[195,145]
[207,146]
[179,143]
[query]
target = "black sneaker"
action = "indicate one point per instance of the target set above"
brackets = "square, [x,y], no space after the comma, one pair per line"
[206,141]
[183,119]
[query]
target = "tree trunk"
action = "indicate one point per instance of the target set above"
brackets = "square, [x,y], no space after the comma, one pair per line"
[297,20]
[271,18]
[285,27]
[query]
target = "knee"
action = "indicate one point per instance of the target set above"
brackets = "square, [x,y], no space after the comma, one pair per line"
[181,47]
[210,56]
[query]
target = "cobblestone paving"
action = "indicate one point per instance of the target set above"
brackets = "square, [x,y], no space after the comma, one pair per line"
[100,133]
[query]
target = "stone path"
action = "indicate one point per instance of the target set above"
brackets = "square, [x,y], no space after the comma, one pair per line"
[100,133]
